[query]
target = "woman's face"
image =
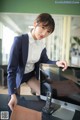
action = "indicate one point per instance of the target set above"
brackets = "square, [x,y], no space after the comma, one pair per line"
[40,31]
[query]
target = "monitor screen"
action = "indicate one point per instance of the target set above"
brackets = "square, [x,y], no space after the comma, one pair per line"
[65,85]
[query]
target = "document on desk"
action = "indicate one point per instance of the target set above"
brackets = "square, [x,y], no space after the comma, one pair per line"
[23,113]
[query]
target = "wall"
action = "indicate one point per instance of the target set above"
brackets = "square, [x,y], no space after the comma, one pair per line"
[38,6]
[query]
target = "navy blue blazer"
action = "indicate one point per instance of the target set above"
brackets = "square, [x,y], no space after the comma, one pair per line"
[17,62]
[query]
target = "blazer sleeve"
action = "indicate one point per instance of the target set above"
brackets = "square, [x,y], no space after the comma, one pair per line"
[13,64]
[44,58]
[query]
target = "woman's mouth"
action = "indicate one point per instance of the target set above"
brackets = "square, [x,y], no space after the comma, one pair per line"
[41,36]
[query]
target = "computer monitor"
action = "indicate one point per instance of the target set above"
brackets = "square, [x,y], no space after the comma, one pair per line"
[65,88]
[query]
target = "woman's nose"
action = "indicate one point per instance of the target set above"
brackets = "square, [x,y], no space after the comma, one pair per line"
[44,33]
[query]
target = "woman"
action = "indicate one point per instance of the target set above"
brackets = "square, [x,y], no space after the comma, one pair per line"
[27,52]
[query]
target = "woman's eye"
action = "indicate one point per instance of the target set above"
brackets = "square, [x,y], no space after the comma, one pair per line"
[43,27]
[49,31]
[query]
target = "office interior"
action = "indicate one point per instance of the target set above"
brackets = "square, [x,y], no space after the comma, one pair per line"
[16,18]
[62,44]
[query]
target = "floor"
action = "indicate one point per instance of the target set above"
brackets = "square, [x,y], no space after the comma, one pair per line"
[25,90]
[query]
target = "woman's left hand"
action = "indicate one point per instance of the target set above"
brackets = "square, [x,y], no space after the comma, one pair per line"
[62,64]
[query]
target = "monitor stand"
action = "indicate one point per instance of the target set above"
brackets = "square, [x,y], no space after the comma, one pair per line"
[64,114]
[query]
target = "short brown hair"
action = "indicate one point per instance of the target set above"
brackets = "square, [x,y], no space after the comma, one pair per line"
[47,21]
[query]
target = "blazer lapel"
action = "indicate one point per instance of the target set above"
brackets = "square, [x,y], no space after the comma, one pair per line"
[25,45]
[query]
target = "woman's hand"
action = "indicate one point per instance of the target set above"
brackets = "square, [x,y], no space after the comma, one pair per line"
[62,64]
[12,102]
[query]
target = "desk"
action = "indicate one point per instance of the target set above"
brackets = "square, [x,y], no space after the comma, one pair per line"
[32,102]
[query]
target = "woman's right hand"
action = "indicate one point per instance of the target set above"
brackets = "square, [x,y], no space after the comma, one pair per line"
[12,102]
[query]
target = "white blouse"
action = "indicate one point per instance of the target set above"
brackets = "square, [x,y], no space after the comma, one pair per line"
[34,52]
